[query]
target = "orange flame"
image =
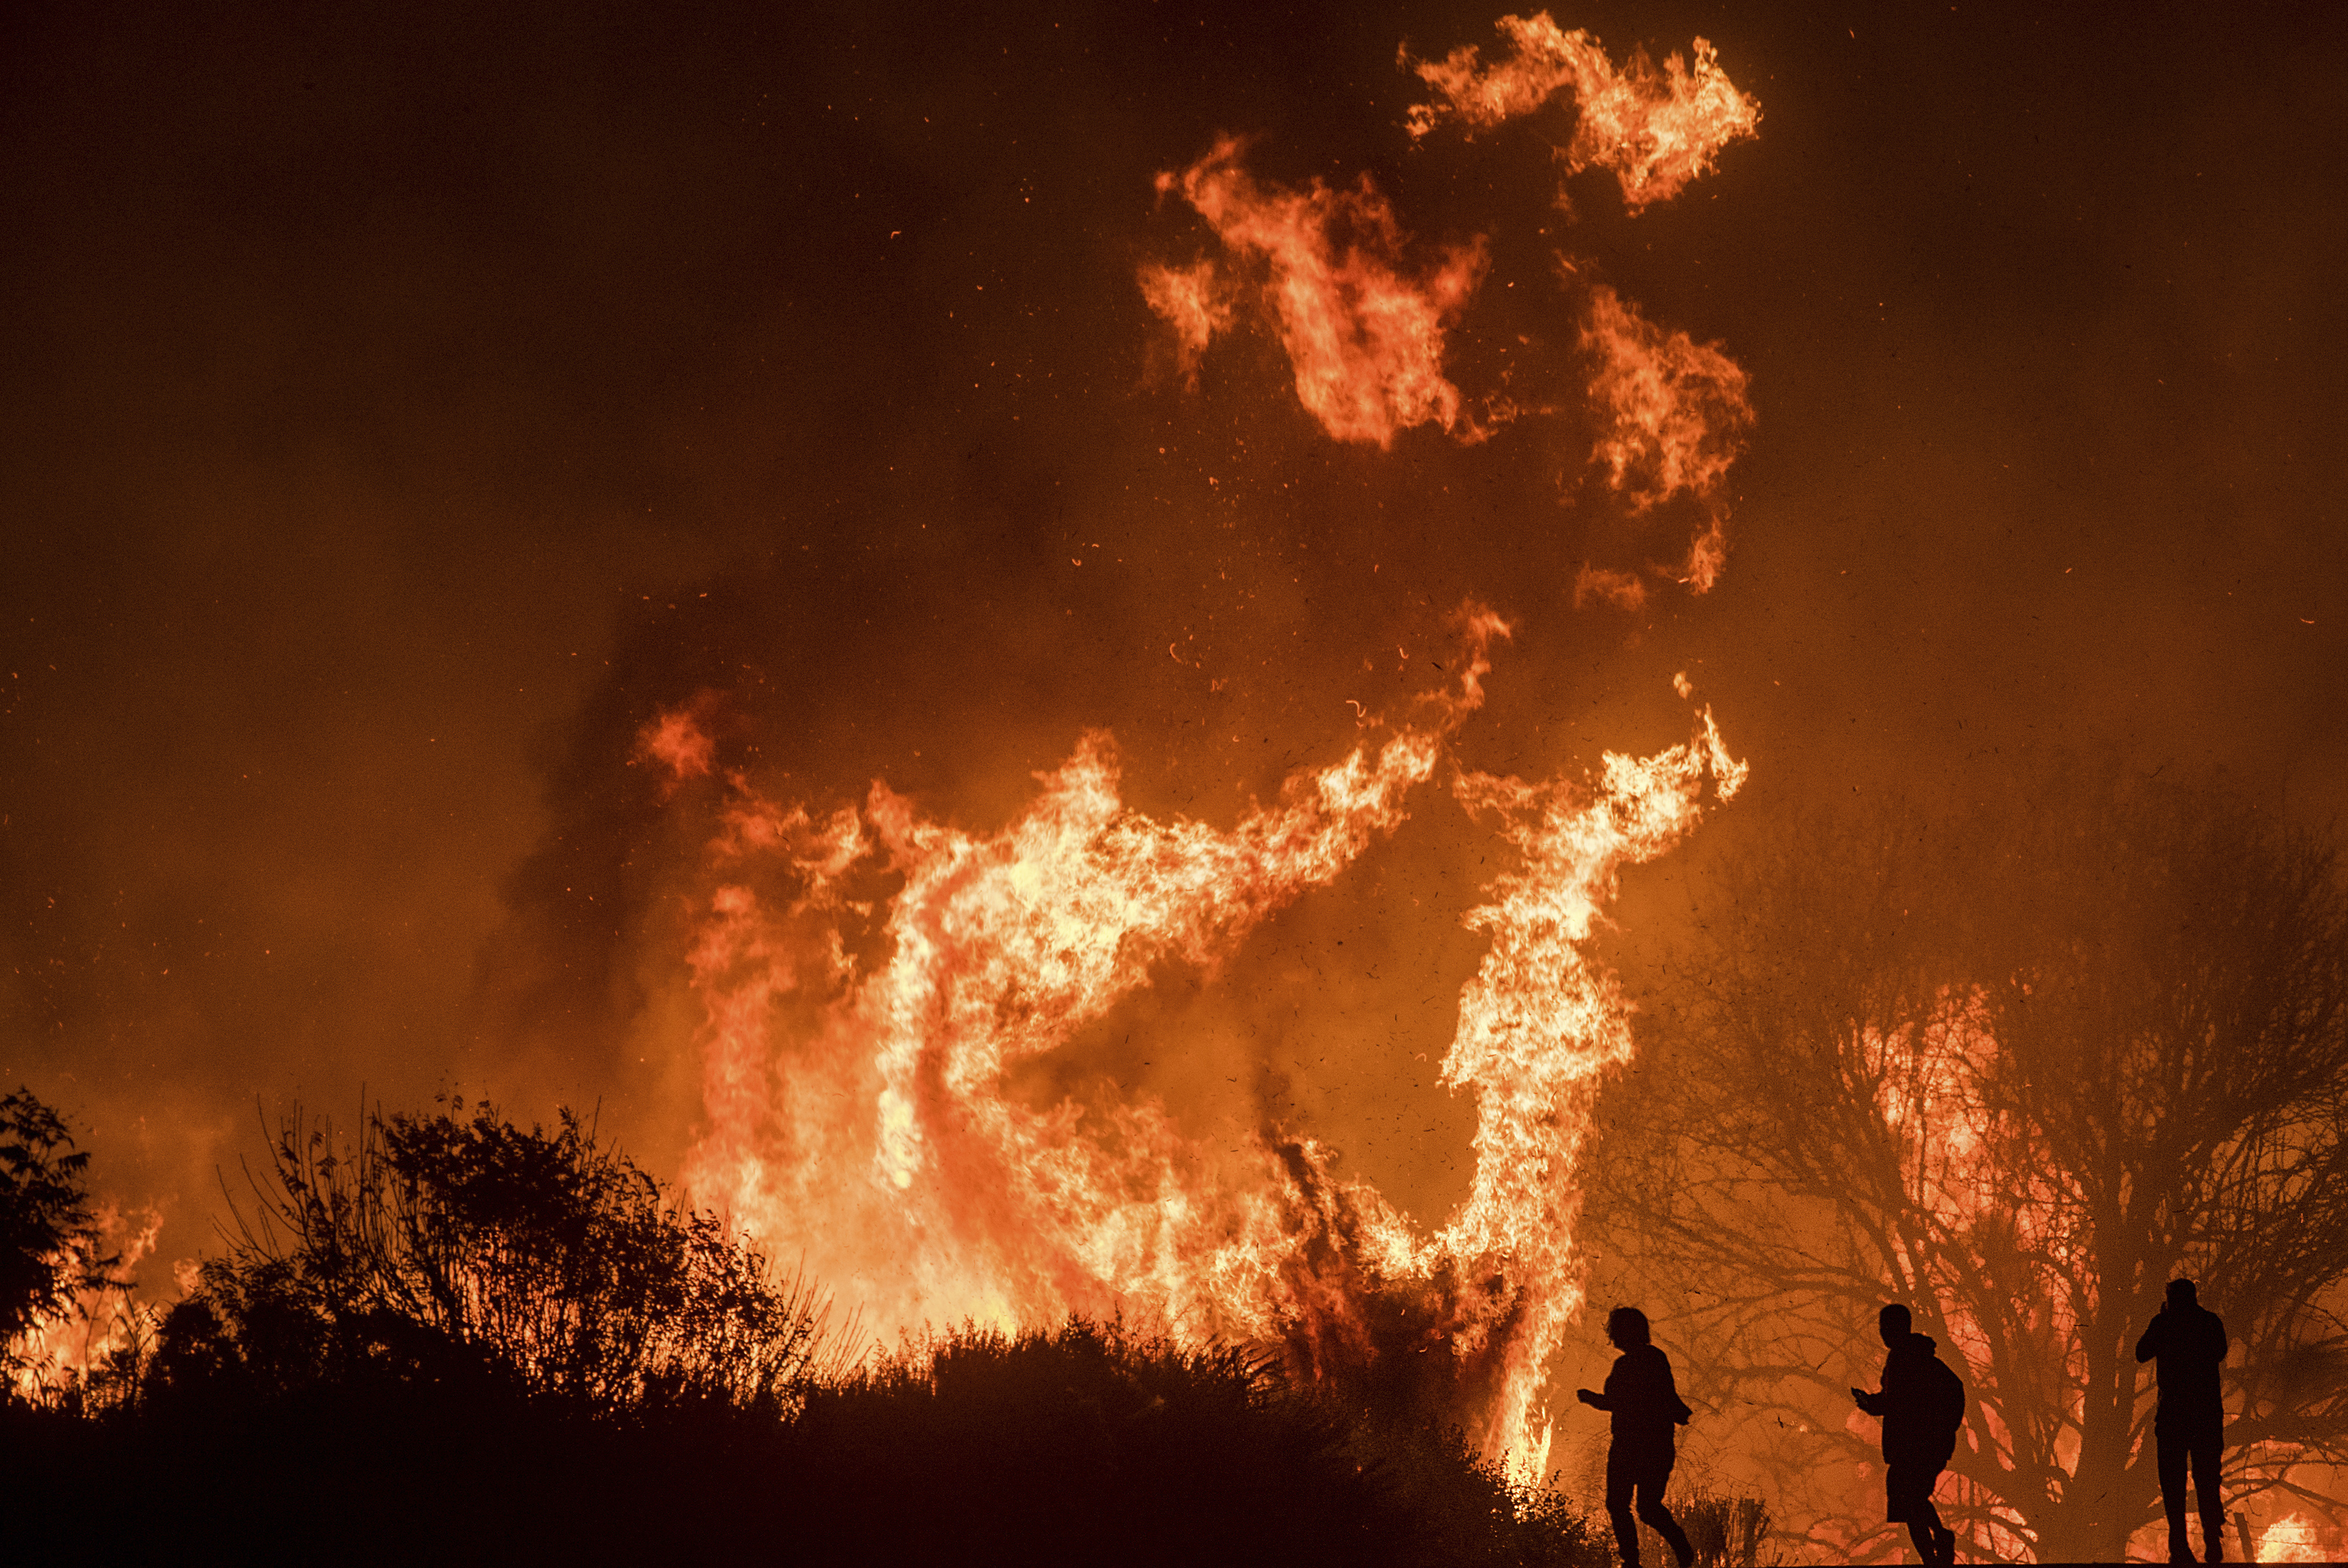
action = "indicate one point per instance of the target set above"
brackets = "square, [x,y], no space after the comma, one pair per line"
[54,1352]
[1539,1022]
[2294,1538]
[857,1108]
[1677,416]
[1678,407]
[968,1204]
[1365,337]
[1366,333]
[1191,300]
[1602,585]
[1656,131]
[680,742]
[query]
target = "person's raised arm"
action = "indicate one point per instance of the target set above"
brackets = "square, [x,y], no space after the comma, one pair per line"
[2149,1346]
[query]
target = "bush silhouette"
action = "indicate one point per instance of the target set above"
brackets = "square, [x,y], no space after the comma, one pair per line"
[1727,1530]
[454,1245]
[455,1340]
[48,1233]
[1092,1444]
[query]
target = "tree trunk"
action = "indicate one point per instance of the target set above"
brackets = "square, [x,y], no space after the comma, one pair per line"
[2099,1506]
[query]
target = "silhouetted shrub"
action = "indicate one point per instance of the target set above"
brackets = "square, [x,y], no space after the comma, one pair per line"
[1090,1444]
[49,1246]
[453,1247]
[1726,1528]
[1086,1445]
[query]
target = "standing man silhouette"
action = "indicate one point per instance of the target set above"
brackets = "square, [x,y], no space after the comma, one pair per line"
[2190,1343]
[1922,1404]
[1645,1405]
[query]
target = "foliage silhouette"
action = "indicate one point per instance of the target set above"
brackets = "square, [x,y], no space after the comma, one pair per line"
[1092,1444]
[1083,1445]
[1728,1530]
[49,1237]
[450,1244]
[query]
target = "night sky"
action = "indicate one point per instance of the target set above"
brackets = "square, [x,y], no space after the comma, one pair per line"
[405,405]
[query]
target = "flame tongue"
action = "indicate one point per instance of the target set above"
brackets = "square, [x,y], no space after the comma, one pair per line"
[1365,334]
[1538,1024]
[1656,130]
[862,1120]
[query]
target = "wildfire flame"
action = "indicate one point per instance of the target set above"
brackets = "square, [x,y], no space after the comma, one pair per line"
[57,1351]
[1366,330]
[1678,416]
[1655,130]
[1603,585]
[859,1115]
[1363,333]
[1539,1022]
[1192,299]
[2294,1538]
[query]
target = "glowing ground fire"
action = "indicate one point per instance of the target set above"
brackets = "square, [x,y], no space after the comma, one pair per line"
[857,1111]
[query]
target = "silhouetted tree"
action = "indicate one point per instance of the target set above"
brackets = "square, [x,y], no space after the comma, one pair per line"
[448,1243]
[2015,1065]
[49,1238]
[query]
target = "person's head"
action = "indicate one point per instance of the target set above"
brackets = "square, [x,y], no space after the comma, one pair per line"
[2181,1293]
[1894,1323]
[1627,1327]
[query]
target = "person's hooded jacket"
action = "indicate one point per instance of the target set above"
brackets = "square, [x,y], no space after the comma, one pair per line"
[1922,1404]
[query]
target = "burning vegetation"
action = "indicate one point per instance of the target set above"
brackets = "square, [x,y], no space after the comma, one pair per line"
[875,1135]
[951,1265]
[493,1343]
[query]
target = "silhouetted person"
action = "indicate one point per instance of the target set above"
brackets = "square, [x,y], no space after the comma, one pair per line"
[2188,1341]
[1922,1404]
[1645,1405]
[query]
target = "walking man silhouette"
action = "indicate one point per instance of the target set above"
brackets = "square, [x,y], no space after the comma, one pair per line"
[1645,1406]
[1922,1404]
[2188,1342]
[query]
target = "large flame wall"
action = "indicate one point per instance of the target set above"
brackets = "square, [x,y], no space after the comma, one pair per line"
[861,1117]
